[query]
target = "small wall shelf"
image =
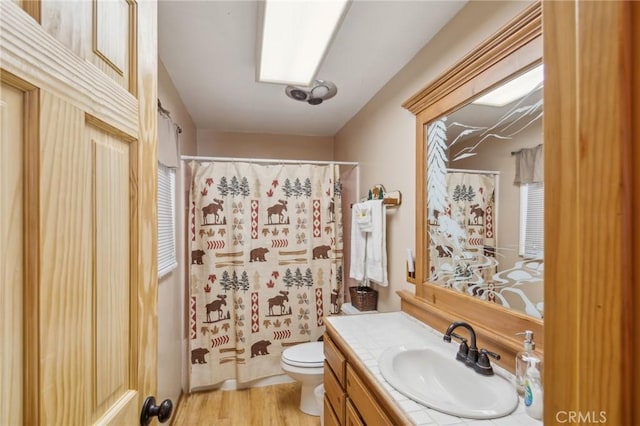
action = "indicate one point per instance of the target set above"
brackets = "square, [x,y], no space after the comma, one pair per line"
[389,198]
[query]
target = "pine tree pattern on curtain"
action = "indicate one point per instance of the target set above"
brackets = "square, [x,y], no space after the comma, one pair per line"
[462,240]
[266,265]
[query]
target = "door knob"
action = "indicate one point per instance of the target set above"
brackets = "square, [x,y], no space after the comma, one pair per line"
[150,409]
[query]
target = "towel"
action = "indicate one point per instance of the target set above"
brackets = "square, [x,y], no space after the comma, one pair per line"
[363,216]
[376,249]
[358,245]
[369,242]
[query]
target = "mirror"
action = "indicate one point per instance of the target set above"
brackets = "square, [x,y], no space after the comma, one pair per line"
[489,281]
[485,195]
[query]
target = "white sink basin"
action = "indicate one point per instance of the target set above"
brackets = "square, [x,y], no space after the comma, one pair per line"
[434,378]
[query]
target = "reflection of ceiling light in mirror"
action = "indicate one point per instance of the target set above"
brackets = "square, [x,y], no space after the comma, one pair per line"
[465,155]
[514,89]
[295,37]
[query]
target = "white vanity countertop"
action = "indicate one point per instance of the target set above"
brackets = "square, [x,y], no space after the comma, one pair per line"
[369,335]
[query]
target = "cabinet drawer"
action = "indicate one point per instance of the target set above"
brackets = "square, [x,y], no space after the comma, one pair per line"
[353,418]
[330,418]
[336,360]
[363,401]
[334,393]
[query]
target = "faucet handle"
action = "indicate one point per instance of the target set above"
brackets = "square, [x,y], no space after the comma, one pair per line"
[491,354]
[483,366]
[463,349]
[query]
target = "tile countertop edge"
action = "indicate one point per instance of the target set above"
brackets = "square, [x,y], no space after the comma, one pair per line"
[368,378]
[368,369]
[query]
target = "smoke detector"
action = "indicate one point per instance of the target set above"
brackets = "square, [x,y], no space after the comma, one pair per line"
[318,92]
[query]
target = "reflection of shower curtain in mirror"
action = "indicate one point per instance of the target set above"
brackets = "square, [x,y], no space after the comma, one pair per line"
[463,241]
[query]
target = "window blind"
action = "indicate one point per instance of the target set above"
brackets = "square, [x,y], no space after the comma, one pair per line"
[532,220]
[166,220]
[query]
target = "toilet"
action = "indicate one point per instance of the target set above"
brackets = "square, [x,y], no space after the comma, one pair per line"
[305,364]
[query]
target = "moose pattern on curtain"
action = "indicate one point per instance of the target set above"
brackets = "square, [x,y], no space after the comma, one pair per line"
[462,237]
[266,265]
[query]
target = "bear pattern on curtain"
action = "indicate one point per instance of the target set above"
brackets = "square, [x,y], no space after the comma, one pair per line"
[462,240]
[266,265]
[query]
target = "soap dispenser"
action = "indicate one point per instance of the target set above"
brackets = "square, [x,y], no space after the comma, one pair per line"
[533,401]
[522,360]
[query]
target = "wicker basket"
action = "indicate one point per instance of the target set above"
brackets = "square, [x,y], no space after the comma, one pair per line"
[363,298]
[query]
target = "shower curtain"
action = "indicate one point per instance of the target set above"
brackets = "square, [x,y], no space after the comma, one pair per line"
[463,241]
[266,265]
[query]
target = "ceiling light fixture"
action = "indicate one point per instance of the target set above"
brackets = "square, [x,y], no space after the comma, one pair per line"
[514,89]
[320,91]
[295,37]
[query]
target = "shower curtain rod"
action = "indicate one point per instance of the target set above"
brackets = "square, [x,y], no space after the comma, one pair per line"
[481,172]
[267,160]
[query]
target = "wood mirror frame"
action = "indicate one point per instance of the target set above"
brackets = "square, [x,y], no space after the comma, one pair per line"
[514,48]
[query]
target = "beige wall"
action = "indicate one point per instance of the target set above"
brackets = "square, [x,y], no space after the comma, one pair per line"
[170,98]
[171,287]
[382,135]
[212,143]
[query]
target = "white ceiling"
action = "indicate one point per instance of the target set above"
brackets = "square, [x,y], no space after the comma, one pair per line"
[209,50]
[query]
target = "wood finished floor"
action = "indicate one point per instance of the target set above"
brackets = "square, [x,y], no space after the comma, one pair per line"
[269,406]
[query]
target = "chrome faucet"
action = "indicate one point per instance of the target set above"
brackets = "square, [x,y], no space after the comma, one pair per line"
[478,360]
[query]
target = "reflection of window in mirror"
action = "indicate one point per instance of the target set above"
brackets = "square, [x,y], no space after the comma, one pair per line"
[532,220]
[485,196]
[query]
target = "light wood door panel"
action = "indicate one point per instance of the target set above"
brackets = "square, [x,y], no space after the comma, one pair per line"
[111,18]
[102,32]
[66,263]
[86,302]
[111,258]
[90,306]
[11,254]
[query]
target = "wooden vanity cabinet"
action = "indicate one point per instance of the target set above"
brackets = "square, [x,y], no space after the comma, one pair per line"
[334,380]
[352,396]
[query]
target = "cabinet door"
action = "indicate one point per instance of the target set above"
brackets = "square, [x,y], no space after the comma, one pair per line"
[335,359]
[330,418]
[364,401]
[334,393]
[353,418]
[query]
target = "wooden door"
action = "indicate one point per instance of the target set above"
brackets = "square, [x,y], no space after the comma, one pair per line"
[78,230]
[592,283]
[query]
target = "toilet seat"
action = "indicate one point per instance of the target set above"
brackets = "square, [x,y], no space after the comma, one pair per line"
[305,355]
